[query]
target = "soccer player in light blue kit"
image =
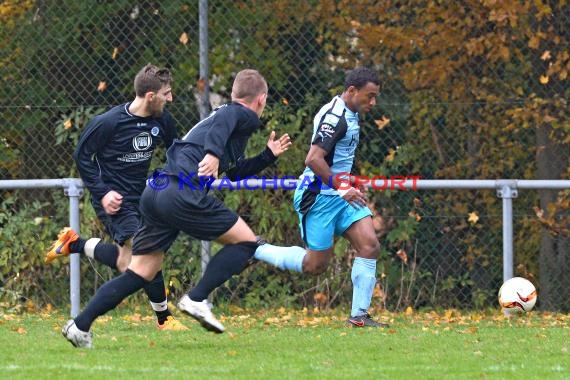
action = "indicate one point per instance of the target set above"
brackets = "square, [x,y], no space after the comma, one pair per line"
[326,206]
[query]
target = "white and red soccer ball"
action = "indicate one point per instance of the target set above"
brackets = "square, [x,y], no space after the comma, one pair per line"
[517,295]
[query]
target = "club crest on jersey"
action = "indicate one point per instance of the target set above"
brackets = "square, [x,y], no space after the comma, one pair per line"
[142,141]
[154,131]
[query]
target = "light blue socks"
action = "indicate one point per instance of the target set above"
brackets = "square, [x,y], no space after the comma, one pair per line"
[363,280]
[286,258]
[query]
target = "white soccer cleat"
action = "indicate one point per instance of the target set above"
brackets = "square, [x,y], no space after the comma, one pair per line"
[78,338]
[201,312]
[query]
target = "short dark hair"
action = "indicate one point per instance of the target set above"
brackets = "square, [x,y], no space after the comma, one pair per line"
[151,78]
[360,76]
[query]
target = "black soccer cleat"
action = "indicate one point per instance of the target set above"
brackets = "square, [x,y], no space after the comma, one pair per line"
[364,321]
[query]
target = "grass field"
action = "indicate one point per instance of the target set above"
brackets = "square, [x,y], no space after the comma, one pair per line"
[286,344]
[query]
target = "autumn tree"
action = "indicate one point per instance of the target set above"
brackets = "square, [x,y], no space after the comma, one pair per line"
[488,87]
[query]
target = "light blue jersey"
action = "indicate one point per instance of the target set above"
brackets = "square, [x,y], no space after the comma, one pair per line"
[323,214]
[336,130]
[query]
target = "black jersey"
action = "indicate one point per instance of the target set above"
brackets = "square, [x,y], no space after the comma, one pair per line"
[115,151]
[224,133]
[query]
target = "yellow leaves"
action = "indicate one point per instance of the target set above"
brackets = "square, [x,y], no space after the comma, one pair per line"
[30,306]
[534,42]
[499,16]
[551,217]
[382,123]
[402,255]
[549,119]
[19,330]
[104,319]
[475,46]
[67,124]
[415,215]
[504,53]
[184,38]
[391,155]
[115,54]
[136,318]
[278,320]
[285,101]
[409,311]
[543,10]
[201,85]
[12,9]
[321,300]
[473,218]
[379,293]
[102,86]
[546,55]
[476,317]
[355,24]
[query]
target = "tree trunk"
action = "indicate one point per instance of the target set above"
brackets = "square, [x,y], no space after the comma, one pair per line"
[554,259]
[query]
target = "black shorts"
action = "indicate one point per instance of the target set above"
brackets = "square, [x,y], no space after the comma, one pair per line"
[167,212]
[122,225]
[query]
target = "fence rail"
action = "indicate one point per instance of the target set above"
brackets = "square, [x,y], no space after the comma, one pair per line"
[507,189]
[481,95]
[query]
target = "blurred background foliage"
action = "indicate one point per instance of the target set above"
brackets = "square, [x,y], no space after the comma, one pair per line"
[473,90]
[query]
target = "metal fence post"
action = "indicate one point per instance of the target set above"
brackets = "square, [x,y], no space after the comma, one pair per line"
[507,190]
[204,105]
[74,193]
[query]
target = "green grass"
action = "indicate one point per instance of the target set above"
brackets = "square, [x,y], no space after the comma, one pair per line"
[286,344]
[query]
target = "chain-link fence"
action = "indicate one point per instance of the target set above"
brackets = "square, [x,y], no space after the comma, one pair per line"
[471,90]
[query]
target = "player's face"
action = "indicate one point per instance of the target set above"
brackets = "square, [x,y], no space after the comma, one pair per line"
[159,100]
[365,98]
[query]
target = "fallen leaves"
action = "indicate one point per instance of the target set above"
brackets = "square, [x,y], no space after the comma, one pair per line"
[184,38]
[382,123]
[402,255]
[102,86]
[19,330]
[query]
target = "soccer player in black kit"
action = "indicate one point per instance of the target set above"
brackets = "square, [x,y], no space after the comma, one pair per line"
[113,157]
[216,144]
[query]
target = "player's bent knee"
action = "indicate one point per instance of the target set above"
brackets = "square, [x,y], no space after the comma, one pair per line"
[369,251]
[123,264]
[314,268]
[146,266]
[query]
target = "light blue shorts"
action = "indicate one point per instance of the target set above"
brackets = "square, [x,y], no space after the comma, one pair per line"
[327,217]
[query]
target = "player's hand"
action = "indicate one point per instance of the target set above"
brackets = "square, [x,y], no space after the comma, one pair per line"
[355,197]
[279,146]
[112,202]
[208,167]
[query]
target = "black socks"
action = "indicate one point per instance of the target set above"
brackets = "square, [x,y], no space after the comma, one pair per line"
[109,295]
[230,260]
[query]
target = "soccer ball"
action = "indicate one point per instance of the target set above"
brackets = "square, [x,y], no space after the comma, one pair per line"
[517,295]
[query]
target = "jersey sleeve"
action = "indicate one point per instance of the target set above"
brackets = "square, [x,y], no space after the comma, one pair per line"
[245,167]
[223,124]
[96,135]
[330,129]
[169,127]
